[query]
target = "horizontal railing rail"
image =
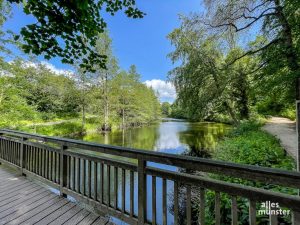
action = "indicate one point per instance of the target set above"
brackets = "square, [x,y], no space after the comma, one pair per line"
[125,187]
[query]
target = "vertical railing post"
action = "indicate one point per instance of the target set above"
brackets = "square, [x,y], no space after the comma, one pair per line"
[142,187]
[296,214]
[298,133]
[1,148]
[296,218]
[22,156]
[63,170]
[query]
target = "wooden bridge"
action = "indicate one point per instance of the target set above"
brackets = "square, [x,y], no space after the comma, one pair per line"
[134,186]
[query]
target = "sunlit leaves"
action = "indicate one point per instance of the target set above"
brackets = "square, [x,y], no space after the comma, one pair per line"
[69,29]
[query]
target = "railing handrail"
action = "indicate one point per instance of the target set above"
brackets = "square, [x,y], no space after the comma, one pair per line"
[249,172]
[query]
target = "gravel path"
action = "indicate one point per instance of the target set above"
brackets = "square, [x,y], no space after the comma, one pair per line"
[285,130]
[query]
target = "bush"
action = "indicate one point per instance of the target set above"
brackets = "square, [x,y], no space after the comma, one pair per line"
[289,113]
[248,144]
[254,147]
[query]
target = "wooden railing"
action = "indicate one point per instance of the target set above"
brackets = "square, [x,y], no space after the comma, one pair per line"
[121,182]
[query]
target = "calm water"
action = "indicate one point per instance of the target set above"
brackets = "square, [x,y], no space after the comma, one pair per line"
[169,136]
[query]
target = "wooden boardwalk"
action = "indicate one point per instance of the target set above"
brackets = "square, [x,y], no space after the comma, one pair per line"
[25,202]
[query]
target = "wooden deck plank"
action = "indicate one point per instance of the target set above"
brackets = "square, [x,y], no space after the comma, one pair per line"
[26,199]
[5,181]
[47,206]
[11,194]
[56,215]
[90,219]
[66,216]
[14,206]
[16,212]
[16,199]
[77,218]
[26,203]
[43,214]
[101,221]
[14,188]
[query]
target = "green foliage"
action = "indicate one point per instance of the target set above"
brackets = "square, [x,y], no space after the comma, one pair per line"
[69,29]
[250,145]
[177,111]
[32,92]
[133,102]
[166,109]
[205,83]
[60,130]
[5,13]
[46,91]
[247,144]
[289,113]
[13,107]
[276,107]
[219,77]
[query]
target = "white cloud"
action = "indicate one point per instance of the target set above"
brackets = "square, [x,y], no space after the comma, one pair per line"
[165,90]
[49,66]
[55,70]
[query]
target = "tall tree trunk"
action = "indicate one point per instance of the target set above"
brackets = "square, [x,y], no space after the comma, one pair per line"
[83,119]
[106,110]
[1,96]
[123,118]
[83,116]
[244,110]
[243,95]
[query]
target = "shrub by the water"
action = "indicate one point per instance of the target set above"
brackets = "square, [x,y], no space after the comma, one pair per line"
[246,144]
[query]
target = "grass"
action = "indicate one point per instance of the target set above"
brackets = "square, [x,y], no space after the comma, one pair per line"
[248,144]
[62,129]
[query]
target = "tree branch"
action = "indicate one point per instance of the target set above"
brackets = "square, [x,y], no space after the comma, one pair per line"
[251,52]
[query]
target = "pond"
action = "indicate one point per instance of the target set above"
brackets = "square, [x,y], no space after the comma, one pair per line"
[168,136]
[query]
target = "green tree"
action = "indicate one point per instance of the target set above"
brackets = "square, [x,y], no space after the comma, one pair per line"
[166,109]
[277,24]
[199,80]
[69,29]
[13,107]
[134,103]
[5,13]
[50,93]
[103,76]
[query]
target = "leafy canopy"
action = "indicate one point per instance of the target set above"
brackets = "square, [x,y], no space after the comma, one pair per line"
[69,28]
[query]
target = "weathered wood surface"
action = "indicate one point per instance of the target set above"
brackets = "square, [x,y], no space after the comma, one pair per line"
[25,202]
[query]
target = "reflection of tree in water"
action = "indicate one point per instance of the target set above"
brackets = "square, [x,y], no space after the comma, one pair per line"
[201,136]
[141,138]
[201,139]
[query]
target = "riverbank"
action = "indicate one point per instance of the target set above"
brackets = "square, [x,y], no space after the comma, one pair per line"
[67,127]
[250,144]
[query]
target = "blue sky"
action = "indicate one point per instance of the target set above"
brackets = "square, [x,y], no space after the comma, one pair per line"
[141,42]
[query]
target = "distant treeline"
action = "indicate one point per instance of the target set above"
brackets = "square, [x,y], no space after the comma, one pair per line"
[32,93]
